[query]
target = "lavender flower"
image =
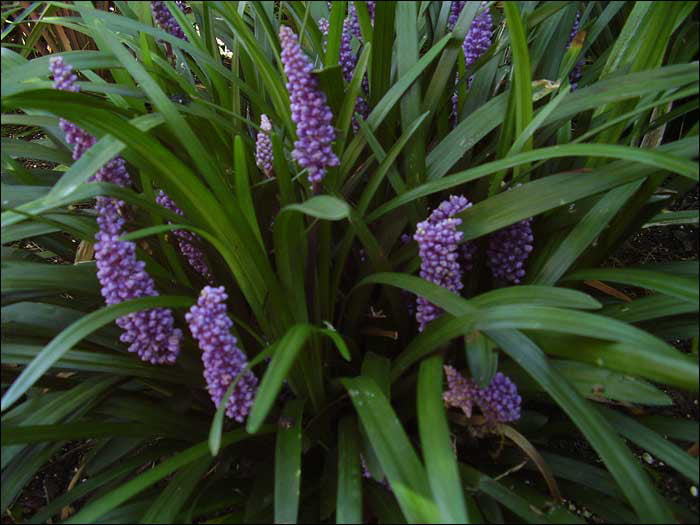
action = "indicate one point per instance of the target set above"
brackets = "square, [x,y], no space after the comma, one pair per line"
[223,360]
[165,19]
[347,58]
[353,21]
[499,402]
[577,72]
[476,43]
[324,26]
[65,80]
[188,242]
[455,10]
[438,240]
[348,61]
[151,333]
[478,39]
[263,146]
[509,250]
[63,76]
[310,112]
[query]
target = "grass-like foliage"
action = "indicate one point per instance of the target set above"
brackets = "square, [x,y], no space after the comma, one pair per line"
[375,356]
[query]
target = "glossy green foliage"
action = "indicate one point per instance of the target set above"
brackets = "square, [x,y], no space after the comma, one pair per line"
[348,423]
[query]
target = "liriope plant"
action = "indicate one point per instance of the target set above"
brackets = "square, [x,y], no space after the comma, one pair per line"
[347,261]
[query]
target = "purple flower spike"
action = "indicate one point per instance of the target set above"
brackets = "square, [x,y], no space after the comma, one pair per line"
[476,43]
[310,112]
[165,19]
[263,146]
[461,393]
[438,241]
[150,333]
[65,80]
[478,39]
[347,59]
[63,76]
[499,402]
[509,250]
[223,360]
[324,26]
[188,242]
[455,10]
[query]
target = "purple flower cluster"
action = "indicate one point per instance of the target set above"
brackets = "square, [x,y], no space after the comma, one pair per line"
[310,111]
[165,19]
[347,59]
[455,10]
[263,146]
[499,402]
[476,43]
[438,240]
[223,360]
[577,71]
[65,80]
[478,38]
[509,249]
[149,333]
[188,242]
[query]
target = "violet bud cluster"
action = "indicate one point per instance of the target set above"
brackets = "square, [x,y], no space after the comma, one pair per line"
[263,146]
[222,358]
[149,333]
[508,251]
[310,111]
[65,80]
[165,19]
[476,43]
[455,10]
[189,243]
[499,402]
[438,241]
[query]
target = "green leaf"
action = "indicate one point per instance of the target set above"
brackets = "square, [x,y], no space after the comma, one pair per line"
[584,234]
[100,506]
[440,459]
[288,463]
[398,459]
[349,494]
[285,353]
[555,190]
[522,80]
[75,333]
[597,383]
[649,307]
[649,440]
[618,459]
[243,192]
[172,499]
[335,33]
[684,288]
